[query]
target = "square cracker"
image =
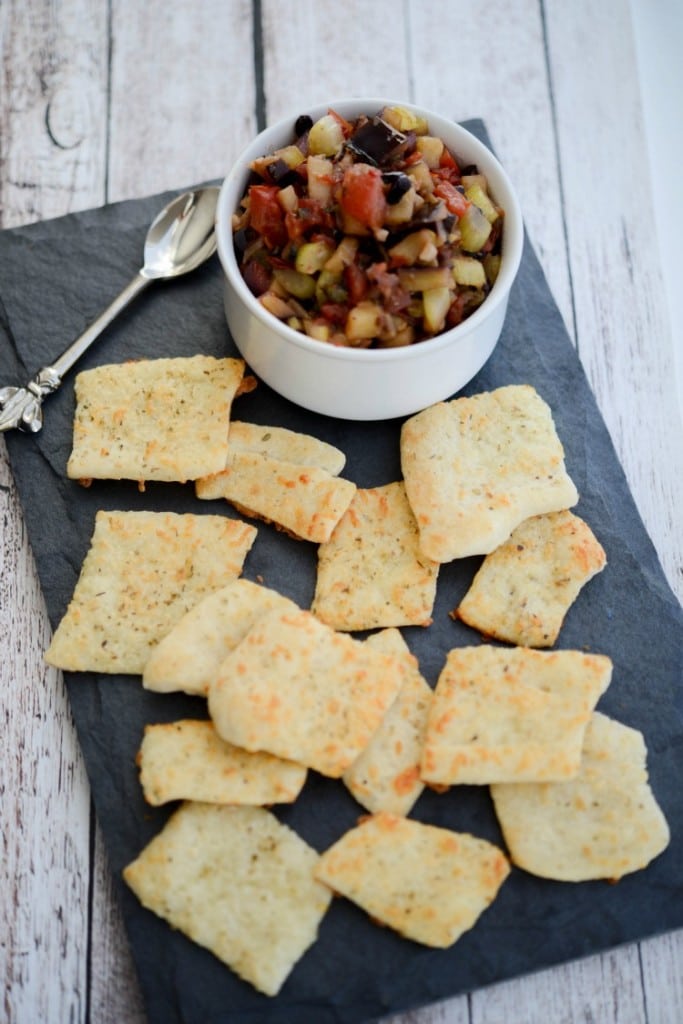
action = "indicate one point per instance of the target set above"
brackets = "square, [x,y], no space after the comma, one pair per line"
[187,760]
[284,477]
[604,823]
[476,467]
[238,882]
[430,884]
[156,419]
[300,690]
[386,776]
[371,572]
[143,571]
[523,589]
[189,656]
[502,715]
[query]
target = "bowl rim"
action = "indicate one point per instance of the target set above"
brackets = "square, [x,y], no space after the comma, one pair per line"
[232,189]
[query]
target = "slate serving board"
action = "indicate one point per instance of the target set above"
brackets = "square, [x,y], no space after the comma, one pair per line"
[55,277]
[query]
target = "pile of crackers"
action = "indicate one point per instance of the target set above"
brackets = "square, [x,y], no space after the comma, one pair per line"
[291,690]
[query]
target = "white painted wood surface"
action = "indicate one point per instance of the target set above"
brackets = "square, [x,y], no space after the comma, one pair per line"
[104,101]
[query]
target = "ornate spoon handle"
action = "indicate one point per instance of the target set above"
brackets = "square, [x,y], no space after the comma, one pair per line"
[21,408]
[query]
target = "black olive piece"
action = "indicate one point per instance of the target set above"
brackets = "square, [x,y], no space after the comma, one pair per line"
[282,174]
[398,183]
[376,141]
[303,124]
[240,240]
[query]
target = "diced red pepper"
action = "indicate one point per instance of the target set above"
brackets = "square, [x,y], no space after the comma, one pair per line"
[310,217]
[257,277]
[456,202]
[356,283]
[346,126]
[448,161]
[362,195]
[266,216]
[335,312]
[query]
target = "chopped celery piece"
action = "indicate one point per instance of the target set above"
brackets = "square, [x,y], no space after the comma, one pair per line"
[474,229]
[326,136]
[436,304]
[364,321]
[469,272]
[477,195]
[301,286]
[312,256]
[422,279]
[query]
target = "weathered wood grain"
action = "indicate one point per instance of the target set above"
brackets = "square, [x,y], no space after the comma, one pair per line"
[44,867]
[623,331]
[182,98]
[101,102]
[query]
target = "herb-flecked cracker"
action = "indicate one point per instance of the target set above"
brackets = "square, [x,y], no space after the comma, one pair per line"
[283,477]
[302,691]
[154,419]
[502,715]
[428,883]
[476,467]
[371,572]
[189,656]
[386,775]
[187,760]
[142,573]
[238,882]
[523,590]
[604,823]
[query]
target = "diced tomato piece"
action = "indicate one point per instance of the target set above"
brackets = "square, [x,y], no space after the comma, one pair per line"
[448,161]
[346,126]
[362,195]
[266,215]
[356,283]
[456,202]
[456,310]
[335,312]
[310,218]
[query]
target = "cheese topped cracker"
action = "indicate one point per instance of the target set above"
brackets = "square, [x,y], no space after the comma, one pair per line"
[386,776]
[503,715]
[284,477]
[238,882]
[523,589]
[187,760]
[155,419]
[475,468]
[604,823]
[300,690]
[189,656]
[429,884]
[142,573]
[371,572]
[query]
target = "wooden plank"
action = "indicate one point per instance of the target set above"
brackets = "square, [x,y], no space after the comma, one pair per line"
[51,125]
[53,108]
[114,989]
[43,959]
[623,328]
[661,959]
[179,111]
[489,61]
[320,52]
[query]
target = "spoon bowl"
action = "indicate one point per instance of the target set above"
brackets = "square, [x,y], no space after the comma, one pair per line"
[182,236]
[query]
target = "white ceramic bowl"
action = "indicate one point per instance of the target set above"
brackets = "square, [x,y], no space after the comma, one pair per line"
[366,384]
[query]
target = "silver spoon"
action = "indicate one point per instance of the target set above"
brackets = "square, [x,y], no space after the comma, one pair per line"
[179,239]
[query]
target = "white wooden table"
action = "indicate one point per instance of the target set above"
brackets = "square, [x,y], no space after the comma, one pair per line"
[101,101]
